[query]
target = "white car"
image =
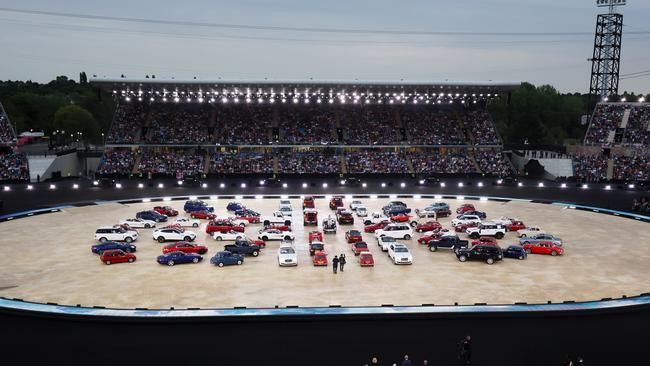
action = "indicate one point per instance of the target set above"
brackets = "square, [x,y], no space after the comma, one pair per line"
[109,233]
[355,204]
[503,220]
[386,241]
[374,218]
[138,223]
[278,217]
[442,232]
[397,231]
[530,231]
[285,204]
[185,222]
[274,234]
[287,255]
[239,222]
[400,254]
[465,219]
[361,211]
[230,235]
[167,234]
[487,228]
[287,211]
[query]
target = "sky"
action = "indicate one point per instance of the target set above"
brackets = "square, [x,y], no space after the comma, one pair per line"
[39,47]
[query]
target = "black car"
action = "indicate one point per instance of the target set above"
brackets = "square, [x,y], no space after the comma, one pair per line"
[480,214]
[515,251]
[487,253]
[315,247]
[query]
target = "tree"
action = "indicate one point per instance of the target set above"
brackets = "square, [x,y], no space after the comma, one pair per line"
[73,119]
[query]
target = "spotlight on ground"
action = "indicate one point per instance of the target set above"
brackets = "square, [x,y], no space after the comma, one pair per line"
[179,182]
[520,184]
[284,185]
[118,185]
[499,181]
[585,186]
[607,187]
[7,188]
[630,186]
[304,185]
[140,185]
[364,185]
[460,184]
[563,185]
[480,184]
[204,185]
[52,186]
[540,184]
[30,187]
[383,185]
[262,182]
[402,184]
[222,185]
[75,186]
[324,185]
[342,182]
[95,183]
[442,184]
[243,185]
[160,185]
[422,181]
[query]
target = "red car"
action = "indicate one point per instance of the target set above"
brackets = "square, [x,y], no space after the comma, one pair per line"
[485,240]
[463,227]
[126,227]
[366,259]
[374,227]
[543,247]
[117,256]
[400,218]
[203,215]
[166,210]
[516,225]
[435,236]
[336,202]
[277,227]
[353,236]
[185,247]
[308,202]
[315,236]
[222,226]
[428,226]
[320,258]
[250,218]
[359,247]
[465,207]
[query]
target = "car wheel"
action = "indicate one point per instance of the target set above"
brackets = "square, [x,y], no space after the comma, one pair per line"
[146,226]
[102,240]
[218,238]
[238,237]
[195,224]
[220,264]
[554,253]
[131,260]
[256,253]
[490,261]
[242,225]
[187,238]
[265,238]
[128,239]
[108,262]
[522,235]
[170,263]
[161,239]
[195,260]
[267,222]
[414,224]
[474,236]
[433,248]
[462,258]
[239,262]
[499,236]
[521,257]
[287,237]
[528,251]
[407,237]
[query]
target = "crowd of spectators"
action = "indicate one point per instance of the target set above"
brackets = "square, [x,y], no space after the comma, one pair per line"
[590,168]
[127,124]
[244,125]
[435,162]
[14,167]
[641,205]
[312,163]
[6,132]
[632,168]
[178,125]
[171,163]
[369,126]
[241,163]
[375,162]
[307,125]
[482,128]
[117,162]
[493,162]
[638,125]
[606,118]
[432,127]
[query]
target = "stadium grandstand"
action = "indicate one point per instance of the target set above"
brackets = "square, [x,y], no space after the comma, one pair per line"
[13,165]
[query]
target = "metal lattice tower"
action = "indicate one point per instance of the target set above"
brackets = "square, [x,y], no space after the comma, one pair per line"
[605,63]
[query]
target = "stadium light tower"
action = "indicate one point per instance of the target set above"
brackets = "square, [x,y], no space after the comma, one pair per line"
[606,59]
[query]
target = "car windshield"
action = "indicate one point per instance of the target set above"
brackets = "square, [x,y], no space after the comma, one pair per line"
[286,251]
[401,250]
[361,245]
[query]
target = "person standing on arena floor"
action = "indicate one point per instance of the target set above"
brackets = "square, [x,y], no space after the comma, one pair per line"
[335,264]
[374,361]
[406,361]
[342,261]
[465,354]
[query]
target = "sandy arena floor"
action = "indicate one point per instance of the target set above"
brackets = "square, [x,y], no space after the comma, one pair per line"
[47,258]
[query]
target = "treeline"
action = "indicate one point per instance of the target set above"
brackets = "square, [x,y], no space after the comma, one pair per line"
[60,105]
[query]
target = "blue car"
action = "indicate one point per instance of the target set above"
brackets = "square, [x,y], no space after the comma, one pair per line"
[515,251]
[196,205]
[226,259]
[235,206]
[438,206]
[110,245]
[480,214]
[246,212]
[151,215]
[178,258]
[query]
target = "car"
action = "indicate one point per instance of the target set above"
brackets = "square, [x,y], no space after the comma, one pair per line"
[286,211]
[462,228]
[223,226]
[374,227]
[185,222]
[179,257]
[203,215]
[359,246]
[287,255]
[515,251]
[319,259]
[361,211]
[234,206]
[278,217]
[285,204]
[402,218]
[310,216]
[228,235]
[238,222]
[386,241]
[428,226]
[112,245]
[488,253]
[434,235]
[116,256]
[503,220]
[274,234]
[516,225]
[540,237]
[543,247]
[397,231]
[463,219]
[434,210]
[329,225]
[366,259]
[176,234]
[243,247]
[165,210]
[355,204]
[352,236]
[253,217]
[125,227]
[375,217]
[395,209]
[345,217]
[226,258]
[196,205]
[308,202]
[151,216]
[480,214]
[487,228]
[315,236]
[107,233]
[400,254]
[336,202]
[185,247]
[249,241]
[315,246]
[530,231]
[278,227]
[138,223]
[465,207]
[447,242]
[485,240]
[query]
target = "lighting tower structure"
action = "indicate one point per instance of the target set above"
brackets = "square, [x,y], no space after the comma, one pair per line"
[605,63]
